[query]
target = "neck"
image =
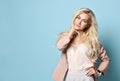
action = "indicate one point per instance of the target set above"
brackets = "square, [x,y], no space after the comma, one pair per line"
[79,33]
[78,38]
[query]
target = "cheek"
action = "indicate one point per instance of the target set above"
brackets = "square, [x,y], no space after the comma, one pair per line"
[84,24]
[88,25]
[75,21]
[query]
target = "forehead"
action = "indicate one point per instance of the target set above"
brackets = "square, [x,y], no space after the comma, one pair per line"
[83,16]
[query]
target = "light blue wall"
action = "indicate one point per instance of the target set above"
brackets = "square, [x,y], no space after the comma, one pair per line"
[29,29]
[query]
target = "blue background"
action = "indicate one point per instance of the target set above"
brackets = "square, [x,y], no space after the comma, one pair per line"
[29,29]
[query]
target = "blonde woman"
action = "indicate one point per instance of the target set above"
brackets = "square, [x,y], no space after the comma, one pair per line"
[80,49]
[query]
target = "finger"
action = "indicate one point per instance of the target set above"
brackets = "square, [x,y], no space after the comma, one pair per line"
[89,73]
[88,68]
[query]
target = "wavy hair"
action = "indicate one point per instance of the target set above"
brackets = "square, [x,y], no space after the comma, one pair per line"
[90,36]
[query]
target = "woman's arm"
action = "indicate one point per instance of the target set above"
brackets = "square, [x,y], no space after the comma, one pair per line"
[105,60]
[64,41]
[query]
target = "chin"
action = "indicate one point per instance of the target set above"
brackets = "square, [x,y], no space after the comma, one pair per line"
[77,29]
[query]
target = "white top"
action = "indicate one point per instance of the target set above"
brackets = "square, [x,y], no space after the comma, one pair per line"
[77,57]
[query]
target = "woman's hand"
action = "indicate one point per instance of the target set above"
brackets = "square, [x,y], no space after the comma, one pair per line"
[71,32]
[91,71]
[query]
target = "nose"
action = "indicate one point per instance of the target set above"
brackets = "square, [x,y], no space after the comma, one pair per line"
[80,22]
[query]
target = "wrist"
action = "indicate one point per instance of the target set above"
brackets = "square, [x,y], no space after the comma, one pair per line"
[70,35]
[98,73]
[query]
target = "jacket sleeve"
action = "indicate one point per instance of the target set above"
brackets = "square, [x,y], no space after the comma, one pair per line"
[105,60]
[61,69]
[63,43]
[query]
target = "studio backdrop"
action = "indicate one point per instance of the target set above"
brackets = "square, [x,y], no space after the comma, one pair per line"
[29,30]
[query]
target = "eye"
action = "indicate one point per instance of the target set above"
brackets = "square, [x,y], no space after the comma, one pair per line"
[78,17]
[84,20]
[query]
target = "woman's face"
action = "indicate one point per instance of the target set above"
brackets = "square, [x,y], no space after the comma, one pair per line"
[81,22]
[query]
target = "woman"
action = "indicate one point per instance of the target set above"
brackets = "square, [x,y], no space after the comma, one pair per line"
[80,49]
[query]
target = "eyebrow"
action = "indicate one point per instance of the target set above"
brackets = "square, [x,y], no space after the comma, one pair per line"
[82,19]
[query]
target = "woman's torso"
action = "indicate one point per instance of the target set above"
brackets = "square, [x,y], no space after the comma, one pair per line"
[78,57]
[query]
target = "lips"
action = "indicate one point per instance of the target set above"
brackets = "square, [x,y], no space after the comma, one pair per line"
[77,25]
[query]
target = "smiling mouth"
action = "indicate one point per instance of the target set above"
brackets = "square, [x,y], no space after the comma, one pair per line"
[78,25]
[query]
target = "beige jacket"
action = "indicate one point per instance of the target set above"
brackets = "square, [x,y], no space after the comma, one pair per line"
[62,66]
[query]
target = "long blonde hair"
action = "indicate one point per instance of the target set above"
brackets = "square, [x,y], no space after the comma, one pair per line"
[90,36]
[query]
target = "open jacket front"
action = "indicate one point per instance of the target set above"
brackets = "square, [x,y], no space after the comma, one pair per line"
[62,66]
